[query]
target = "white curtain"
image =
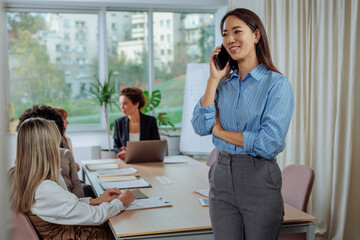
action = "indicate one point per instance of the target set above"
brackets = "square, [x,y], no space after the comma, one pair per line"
[314,44]
[4,212]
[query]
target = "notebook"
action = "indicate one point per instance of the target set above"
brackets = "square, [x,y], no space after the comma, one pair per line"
[145,151]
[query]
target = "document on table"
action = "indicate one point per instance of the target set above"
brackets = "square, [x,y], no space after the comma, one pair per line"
[155,202]
[176,159]
[101,166]
[120,171]
[204,192]
[116,178]
[140,183]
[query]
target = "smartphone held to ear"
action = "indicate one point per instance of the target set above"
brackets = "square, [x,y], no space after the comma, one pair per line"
[222,58]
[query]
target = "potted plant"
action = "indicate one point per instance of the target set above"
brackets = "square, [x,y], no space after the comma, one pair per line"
[105,95]
[152,102]
[163,120]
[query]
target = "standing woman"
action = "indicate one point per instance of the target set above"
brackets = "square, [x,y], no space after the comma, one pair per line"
[247,108]
[134,126]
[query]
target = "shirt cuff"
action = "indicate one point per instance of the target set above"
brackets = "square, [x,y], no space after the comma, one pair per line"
[85,200]
[248,141]
[118,203]
[209,112]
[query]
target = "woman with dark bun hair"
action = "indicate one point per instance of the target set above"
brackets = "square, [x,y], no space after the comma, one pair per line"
[134,126]
[247,107]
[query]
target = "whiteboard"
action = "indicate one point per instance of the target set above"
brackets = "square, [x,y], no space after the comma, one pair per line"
[197,75]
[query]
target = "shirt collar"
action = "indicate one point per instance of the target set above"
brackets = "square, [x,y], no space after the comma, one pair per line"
[256,73]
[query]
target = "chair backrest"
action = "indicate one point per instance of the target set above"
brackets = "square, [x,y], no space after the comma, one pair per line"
[211,158]
[167,147]
[297,183]
[23,228]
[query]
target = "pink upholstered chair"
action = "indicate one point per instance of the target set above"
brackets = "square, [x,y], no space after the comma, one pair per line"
[23,228]
[167,147]
[211,158]
[297,183]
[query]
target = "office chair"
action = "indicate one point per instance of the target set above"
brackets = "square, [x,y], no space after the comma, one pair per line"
[211,158]
[22,228]
[297,183]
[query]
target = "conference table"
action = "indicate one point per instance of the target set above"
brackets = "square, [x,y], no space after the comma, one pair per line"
[186,218]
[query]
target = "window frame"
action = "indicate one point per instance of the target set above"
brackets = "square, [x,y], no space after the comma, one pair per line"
[101,9]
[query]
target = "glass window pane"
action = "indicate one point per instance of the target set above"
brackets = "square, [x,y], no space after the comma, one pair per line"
[186,38]
[127,50]
[52,60]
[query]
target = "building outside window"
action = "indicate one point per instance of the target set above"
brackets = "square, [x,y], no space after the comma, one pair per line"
[189,37]
[42,67]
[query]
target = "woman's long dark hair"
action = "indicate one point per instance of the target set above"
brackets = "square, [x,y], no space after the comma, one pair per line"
[262,47]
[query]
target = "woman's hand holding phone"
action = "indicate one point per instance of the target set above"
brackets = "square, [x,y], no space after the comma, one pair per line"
[215,73]
[215,76]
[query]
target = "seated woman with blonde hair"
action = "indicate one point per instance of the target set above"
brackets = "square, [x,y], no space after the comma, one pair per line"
[67,161]
[38,189]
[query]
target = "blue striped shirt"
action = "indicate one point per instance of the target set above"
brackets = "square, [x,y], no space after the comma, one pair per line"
[260,106]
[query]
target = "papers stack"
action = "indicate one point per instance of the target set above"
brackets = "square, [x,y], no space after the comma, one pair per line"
[116,178]
[140,183]
[120,171]
[101,166]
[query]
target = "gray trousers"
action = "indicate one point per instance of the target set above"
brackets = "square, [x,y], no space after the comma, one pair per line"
[245,197]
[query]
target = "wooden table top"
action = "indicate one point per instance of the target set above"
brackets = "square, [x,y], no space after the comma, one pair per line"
[186,213]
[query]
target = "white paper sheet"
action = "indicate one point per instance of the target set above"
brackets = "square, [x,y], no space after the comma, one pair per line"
[101,166]
[204,192]
[122,171]
[148,203]
[125,184]
[176,159]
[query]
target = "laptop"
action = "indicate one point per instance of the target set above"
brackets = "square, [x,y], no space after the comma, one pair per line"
[145,151]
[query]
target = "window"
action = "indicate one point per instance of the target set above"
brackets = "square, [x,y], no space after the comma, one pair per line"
[113,26]
[66,23]
[80,36]
[180,51]
[130,67]
[43,64]
[67,60]
[80,24]
[67,44]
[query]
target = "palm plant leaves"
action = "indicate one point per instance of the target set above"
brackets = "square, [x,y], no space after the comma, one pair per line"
[104,94]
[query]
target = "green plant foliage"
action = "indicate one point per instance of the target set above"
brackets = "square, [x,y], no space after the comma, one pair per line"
[104,94]
[151,102]
[164,120]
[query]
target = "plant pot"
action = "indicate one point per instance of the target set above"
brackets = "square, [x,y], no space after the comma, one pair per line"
[173,145]
[105,154]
